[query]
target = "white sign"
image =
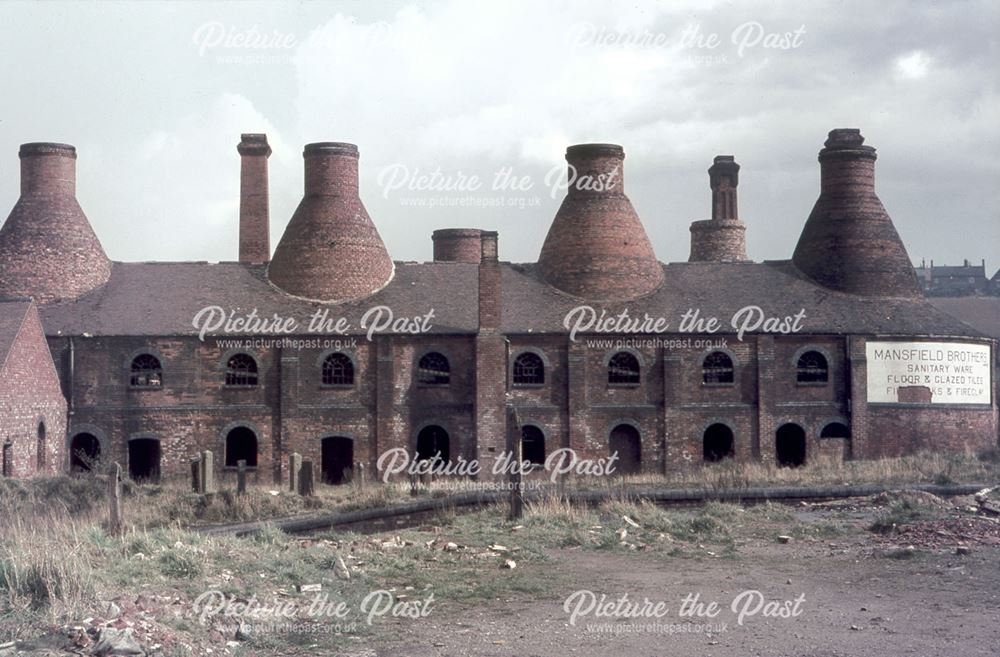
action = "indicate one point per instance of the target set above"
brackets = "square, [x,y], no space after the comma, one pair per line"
[934,372]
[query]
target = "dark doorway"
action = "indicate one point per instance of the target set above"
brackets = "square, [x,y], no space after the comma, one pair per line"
[241,445]
[144,459]
[433,441]
[624,440]
[532,444]
[85,452]
[717,443]
[790,445]
[338,460]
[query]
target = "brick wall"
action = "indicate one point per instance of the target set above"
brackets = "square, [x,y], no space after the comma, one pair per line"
[29,397]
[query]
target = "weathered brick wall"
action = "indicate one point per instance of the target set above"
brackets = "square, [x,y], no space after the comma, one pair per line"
[30,396]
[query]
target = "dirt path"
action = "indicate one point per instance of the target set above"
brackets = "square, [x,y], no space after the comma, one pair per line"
[857,603]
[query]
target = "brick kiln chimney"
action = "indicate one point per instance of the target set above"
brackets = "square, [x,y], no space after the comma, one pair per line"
[457,245]
[48,249]
[596,247]
[331,250]
[255,224]
[849,243]
[489,282]
[723,237]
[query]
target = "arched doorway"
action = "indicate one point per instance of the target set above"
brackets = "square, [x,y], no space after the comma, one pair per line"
[144,459]
[338,460]
[624,440]
[241,445]
[85,452]
[717,443]
[532,444]
[433,441]
[790,445]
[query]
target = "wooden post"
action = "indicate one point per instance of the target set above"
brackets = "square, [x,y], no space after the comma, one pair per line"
[306,484]
[196,475]
[516,498]
[294,468]
[360,476]
[241,477]
[207,473]
[414,485]
[115,522]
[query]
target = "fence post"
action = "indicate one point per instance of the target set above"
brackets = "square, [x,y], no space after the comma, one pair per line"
[196,475]
[115,522]
[207,472]
[294,467]
[360,478]
[516,499]
[241,477]
[306,484]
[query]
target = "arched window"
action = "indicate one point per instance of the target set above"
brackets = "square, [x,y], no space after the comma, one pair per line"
[338,370]
[433,370]
[623,368]
[241,445]
[40,456]
[241,370]
[812,368]
[532,445]
[835,430]
[529,369]
[146,371]
[717,368]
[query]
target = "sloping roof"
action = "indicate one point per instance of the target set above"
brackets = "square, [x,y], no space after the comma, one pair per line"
[12,315]
[163,298]
[723,289]
[981,313]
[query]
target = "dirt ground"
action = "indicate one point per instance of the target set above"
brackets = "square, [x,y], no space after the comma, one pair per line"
[858,601]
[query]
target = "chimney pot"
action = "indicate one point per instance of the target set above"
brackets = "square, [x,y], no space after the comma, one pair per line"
[331,168]
[457,245]
[47,168]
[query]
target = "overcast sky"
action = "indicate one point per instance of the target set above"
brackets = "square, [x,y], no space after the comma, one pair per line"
[155,96]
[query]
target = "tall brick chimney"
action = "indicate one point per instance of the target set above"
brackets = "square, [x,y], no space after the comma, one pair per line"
[491,359]
[849,242]
[457,245]
[48,249]
[331,250]
[255,224]
[596,247]
[723,237]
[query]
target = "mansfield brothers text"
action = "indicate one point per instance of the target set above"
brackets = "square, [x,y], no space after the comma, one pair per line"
[582,319]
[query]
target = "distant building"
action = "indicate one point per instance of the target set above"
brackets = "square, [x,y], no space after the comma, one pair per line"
[962,280]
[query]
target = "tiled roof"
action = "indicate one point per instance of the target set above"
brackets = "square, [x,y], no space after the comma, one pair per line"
[163,298]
